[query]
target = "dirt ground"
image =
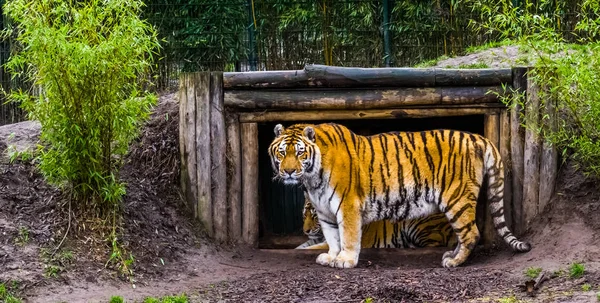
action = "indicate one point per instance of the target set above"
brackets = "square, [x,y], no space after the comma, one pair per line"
[172,255]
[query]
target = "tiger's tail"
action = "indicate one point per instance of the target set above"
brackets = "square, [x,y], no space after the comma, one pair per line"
[494,169]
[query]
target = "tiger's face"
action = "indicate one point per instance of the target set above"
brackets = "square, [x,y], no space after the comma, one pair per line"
[311,226]
[294,154]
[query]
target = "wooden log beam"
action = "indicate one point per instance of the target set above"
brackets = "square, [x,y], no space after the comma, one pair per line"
[532,153]
[517,149]
[187,139]
[492,132]
[363,114]
[203,150]
[322,76]
[249,141]
[506,158]
[358,99]
[549,160]
[218,145]
[234,178]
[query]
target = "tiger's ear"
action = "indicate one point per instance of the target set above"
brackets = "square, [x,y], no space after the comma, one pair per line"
[309,132]
[278,130]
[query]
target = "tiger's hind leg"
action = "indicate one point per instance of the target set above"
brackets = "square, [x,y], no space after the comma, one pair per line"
[462,219]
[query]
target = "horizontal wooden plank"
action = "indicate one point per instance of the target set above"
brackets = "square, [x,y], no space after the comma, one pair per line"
[335,76]
[364,114]
[358,98]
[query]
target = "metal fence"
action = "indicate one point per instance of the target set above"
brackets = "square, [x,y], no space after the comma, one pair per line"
[245,35]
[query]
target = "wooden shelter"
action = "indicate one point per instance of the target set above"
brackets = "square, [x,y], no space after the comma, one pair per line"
[221,115]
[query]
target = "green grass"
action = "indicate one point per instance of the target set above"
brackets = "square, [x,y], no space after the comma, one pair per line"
[533,272]
[488,45]
[474,65]
[6,296]
[576,270]
[168,299]
[116,299]
[432,62]
[598,297]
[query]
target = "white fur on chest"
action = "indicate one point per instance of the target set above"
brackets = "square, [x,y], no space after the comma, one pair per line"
[326,203]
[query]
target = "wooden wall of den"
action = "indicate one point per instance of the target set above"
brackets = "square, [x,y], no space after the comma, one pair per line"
[218,134]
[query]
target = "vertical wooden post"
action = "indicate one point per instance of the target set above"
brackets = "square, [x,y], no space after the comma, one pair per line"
[516,149]
[533,146]
[187,138]
[249,140]
[203,150]
[549,161]
[234,178]
[505,153]
[492,132]
[218,145]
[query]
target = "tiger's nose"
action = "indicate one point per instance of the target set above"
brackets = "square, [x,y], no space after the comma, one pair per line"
[289,171]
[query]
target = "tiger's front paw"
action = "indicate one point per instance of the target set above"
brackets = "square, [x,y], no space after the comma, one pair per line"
[449,261]
[345,260]
[325,259]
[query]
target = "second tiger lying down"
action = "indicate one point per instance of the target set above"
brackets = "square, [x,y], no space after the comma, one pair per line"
[353,180]
[430,231]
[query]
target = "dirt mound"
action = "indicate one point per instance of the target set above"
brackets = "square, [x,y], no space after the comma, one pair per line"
[156,229]
[156,225]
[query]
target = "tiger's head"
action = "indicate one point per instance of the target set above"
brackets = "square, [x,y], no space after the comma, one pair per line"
[311,226]
[294,154]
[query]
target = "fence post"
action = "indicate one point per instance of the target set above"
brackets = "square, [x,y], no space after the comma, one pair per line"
[386,33]
[251,37]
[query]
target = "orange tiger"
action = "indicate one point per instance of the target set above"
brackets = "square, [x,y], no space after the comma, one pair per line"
[354,180]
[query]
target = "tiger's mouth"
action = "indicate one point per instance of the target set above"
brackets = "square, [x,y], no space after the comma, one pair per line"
[290,177]
[290,180]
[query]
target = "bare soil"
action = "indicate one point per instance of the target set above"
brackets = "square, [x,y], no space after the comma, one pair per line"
[173,256]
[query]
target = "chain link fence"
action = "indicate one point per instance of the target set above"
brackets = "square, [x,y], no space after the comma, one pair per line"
[247,35]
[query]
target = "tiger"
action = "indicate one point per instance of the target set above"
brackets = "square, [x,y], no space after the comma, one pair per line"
[431,231]
[353,180]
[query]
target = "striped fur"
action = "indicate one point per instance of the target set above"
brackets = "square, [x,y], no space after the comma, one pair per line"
[354,180]
[430,231]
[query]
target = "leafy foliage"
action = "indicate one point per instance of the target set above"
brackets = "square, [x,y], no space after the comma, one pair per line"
[567,62]
[88,58]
